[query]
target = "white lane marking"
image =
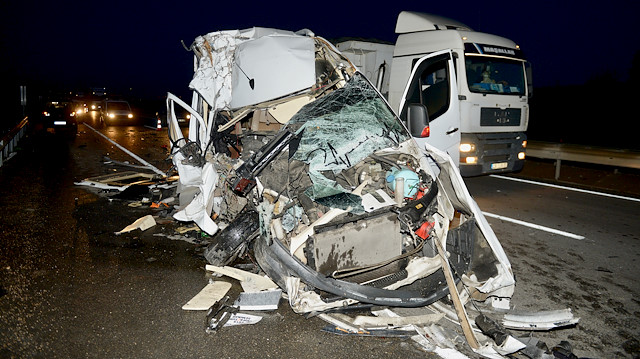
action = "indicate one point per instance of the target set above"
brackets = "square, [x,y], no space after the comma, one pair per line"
[147,164]
[567,188]
[535,226]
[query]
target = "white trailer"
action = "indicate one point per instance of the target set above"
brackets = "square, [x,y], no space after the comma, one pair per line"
[475,87]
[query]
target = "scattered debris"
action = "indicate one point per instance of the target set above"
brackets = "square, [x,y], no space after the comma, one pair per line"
[251,283]
[222,315]
[142,223]
[264,300]
[536,321]
[208,296]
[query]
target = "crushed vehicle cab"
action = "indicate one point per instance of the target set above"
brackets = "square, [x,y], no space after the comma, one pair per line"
[302,162]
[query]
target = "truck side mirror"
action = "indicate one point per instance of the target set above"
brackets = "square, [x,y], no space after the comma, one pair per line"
[418,120]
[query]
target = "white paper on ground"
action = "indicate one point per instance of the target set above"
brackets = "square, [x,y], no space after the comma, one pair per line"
[242,319]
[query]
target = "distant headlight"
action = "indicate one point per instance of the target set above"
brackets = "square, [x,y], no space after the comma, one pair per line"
[72,114]
[47,114]
[93,107]
[130,115]
[111,115]
[79,112]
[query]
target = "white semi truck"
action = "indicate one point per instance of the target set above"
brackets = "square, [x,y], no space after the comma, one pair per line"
[474,87]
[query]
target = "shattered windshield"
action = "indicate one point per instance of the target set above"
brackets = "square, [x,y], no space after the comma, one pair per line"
[341,129]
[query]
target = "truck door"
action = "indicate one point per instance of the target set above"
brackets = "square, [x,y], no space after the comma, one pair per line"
[433,84]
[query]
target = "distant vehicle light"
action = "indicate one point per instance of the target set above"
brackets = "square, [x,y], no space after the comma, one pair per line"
[471,160]
[188,116]
[521,155]
[47,114]
[72,114]
[130,115]
[93,107]
[60,123]
[79,112]
[111,115]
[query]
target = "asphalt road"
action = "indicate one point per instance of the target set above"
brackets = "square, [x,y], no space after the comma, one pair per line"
[69,287]
[595,276]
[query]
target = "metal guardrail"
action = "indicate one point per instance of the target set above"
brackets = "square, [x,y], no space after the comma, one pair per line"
[584,154]
[10,140]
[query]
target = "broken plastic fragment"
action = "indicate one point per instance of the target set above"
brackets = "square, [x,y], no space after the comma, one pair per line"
[142,223]
[382,321]
[208,296]
[544,320]
[265,300]
[250,282]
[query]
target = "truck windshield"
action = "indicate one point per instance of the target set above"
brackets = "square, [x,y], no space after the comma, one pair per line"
[495,75]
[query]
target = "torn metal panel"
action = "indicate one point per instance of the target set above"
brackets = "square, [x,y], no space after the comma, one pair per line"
[269,67]
[263,300]
[544,320]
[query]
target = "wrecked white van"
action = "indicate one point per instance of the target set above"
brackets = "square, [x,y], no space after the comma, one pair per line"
[294,156]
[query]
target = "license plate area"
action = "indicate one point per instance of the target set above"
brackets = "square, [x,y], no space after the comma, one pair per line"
[499,165]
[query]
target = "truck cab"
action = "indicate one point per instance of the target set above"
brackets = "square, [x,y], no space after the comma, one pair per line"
[474,86]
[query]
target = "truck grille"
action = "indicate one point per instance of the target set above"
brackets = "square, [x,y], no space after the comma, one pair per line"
[499,147]
[493,116]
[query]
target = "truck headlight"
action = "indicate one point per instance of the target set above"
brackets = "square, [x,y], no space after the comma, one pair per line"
[521,155]
[467,147]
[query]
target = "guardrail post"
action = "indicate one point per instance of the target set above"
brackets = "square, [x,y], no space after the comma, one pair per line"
[558,162]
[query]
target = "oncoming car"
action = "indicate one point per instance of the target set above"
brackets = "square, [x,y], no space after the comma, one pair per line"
[115,112]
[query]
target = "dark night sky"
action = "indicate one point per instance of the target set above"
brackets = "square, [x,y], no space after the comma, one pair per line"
[130,44]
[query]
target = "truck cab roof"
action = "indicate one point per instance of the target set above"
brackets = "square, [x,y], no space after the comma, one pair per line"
[410,21]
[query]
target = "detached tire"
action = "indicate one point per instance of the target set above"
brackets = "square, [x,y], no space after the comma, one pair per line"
[234,239]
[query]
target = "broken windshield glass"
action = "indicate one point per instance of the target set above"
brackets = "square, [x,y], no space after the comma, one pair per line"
[341,129]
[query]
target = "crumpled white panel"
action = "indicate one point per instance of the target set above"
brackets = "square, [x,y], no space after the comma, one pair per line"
[199,210]
[504,281]
[277,65]
[212,78]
